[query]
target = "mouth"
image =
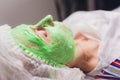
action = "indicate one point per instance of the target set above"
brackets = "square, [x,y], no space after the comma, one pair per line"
[43,33]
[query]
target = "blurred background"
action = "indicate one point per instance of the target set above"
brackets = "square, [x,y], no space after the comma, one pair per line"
[15,12]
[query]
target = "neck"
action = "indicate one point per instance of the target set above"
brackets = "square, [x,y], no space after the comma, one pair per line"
[89,62]
[86,60]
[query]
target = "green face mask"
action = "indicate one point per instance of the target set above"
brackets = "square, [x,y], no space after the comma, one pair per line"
[60,49]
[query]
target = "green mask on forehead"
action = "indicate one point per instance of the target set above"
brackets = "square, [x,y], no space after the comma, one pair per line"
[60,49]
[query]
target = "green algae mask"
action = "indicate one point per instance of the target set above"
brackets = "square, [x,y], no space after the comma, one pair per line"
[58,50]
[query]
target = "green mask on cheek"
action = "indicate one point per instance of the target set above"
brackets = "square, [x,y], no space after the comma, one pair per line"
[60,49]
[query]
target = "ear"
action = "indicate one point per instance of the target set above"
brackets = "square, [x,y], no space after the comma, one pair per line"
[80,36]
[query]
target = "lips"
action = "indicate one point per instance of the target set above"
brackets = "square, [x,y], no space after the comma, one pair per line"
[42,33]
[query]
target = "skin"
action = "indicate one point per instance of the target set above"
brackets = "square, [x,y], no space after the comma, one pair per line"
[87,51]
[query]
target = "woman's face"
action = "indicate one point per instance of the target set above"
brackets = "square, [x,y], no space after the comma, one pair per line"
[58,41]
[49,40]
